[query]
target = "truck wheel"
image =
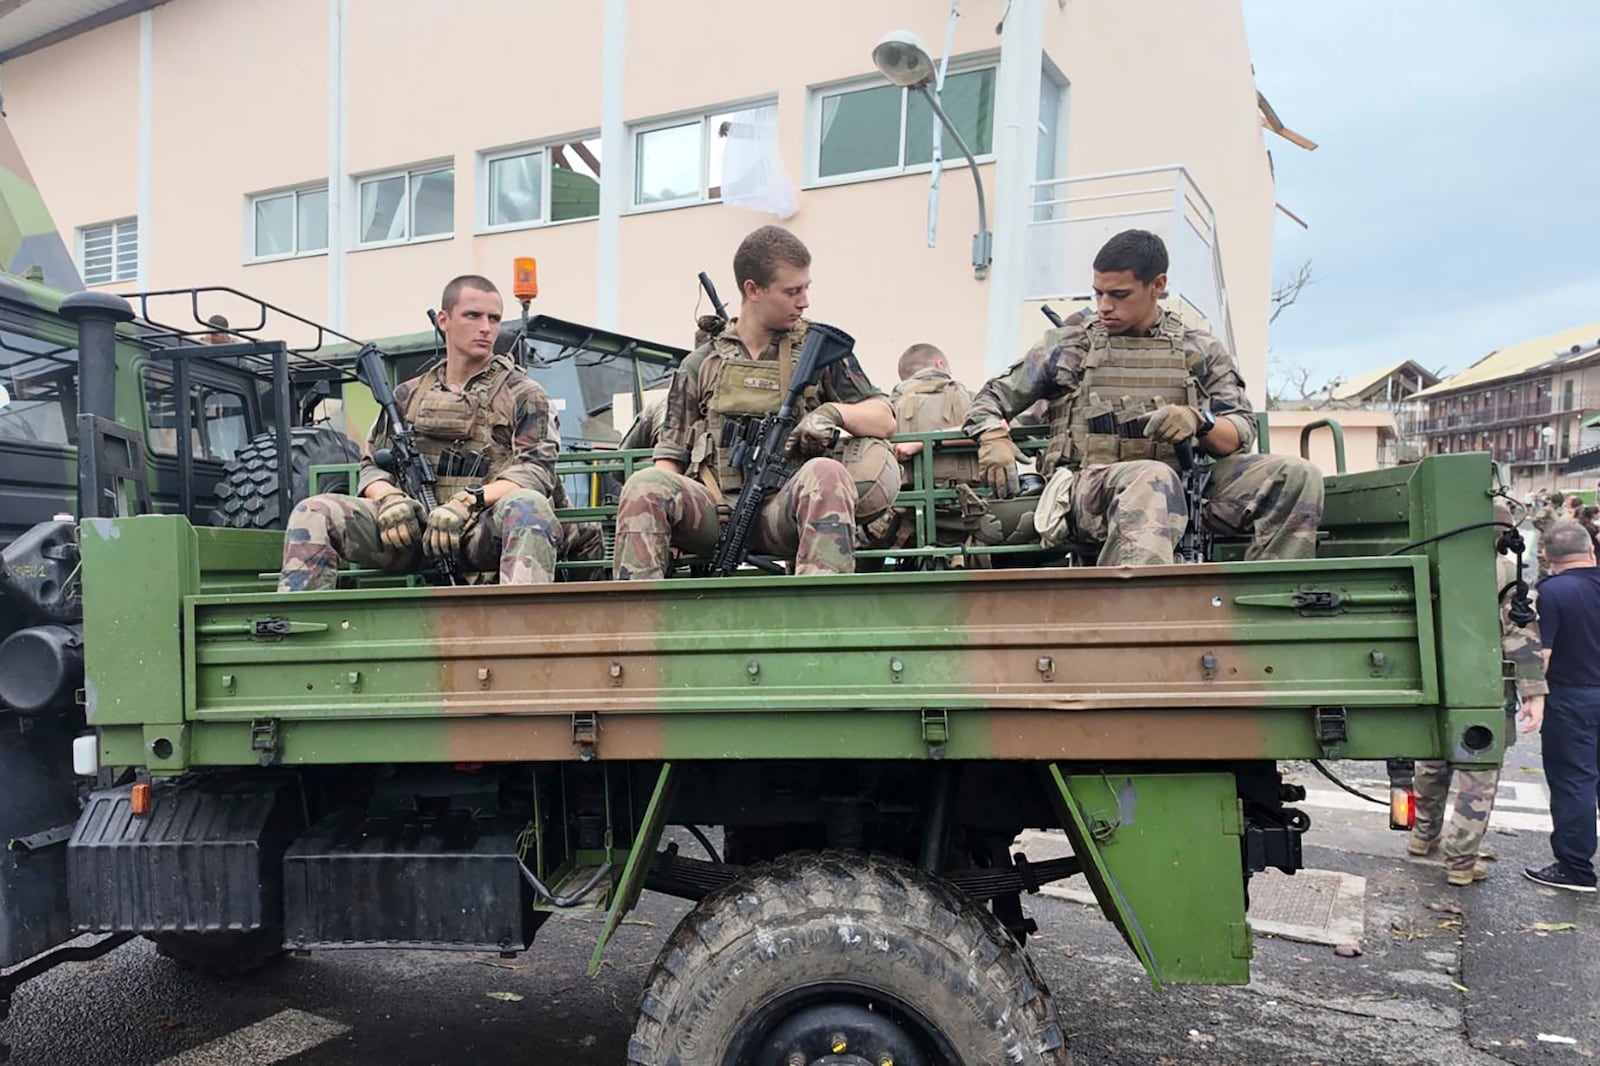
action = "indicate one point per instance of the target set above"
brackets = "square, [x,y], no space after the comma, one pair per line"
[842,958]
[247,495]
[221,954]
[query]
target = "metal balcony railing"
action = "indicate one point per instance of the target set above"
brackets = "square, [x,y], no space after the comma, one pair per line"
[1073,217]
[1494,414]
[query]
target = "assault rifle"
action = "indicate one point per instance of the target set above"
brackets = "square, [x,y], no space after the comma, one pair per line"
[760,448]
[1195,544]
[402,458]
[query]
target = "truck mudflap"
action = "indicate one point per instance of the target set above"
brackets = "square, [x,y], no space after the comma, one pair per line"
[41,803]
[1162,854]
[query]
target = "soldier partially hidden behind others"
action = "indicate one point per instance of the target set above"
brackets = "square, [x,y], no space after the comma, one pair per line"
[743,373]
[1138,363]
[1475,789]
[488,429]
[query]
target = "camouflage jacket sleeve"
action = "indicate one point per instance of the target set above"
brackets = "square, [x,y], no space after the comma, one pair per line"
[846,382]
[1520,645]
[675,439]
[1218,374]
[535,442]
[378,439]
[1051,367]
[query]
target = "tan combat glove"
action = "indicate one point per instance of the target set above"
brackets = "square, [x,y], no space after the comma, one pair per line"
[997,461]
[446,523]
[817,431]
[399,521]
[1173,424]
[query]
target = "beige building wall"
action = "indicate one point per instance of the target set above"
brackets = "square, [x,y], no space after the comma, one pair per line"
[1369,438]
[229,122]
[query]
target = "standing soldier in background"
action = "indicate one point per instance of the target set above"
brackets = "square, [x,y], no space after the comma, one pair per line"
[1126,494]
[1475,789]
[1546,513]
[741,373]
[488,429]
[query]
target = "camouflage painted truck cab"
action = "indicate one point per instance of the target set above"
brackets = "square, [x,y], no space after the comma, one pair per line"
[870,745]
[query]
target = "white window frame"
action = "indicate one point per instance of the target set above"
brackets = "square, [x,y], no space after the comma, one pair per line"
[116,227]
[295,191]
[410,174]
[952,155]
[705,116]
[488,156]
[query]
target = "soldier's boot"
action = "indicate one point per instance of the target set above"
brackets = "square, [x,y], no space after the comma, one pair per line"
[1420,845]
[1466,875]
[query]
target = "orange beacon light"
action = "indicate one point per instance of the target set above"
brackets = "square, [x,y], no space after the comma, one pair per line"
[525,282]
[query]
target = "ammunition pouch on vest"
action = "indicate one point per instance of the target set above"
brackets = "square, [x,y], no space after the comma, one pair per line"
[456,430]
[746,390]
[1124,378]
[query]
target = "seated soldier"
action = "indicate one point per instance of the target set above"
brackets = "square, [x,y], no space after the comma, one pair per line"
[928,398]
[1135,357]
[488,429]
[743,373]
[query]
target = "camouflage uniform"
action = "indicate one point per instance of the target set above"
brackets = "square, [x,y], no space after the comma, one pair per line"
[1128,496]
[1543,518]
[497,427]
[813,517]
[1475,789]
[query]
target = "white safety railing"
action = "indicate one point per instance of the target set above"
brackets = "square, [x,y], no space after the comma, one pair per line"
[1073,217]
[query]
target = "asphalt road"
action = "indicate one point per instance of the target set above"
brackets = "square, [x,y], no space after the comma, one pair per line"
[1432,986]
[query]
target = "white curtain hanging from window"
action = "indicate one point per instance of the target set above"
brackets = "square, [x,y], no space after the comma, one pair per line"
[753,174]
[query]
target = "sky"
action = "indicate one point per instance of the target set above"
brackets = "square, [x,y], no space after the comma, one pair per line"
[1454,198]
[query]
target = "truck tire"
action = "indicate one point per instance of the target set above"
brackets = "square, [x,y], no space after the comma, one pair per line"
[221,954]
[247,495]
[822,945]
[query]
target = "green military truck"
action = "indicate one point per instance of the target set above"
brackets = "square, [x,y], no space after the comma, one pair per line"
[429,767]
[393,764]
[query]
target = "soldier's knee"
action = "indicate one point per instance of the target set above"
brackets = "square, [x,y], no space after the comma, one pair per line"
[528,509]
[650,481]
[1300,475]
[313,512]
[827,473]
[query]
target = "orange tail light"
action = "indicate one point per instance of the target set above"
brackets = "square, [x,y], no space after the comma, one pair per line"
[140,799]
[1402,808]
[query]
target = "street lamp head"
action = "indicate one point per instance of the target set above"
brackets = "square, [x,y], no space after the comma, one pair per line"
[902,58]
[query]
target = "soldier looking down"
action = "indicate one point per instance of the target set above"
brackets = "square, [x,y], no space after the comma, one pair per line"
[928,397]
[488,429]
[743,372]
[1135,360]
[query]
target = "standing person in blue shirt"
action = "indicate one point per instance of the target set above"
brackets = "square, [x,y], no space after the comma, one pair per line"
[1569,628]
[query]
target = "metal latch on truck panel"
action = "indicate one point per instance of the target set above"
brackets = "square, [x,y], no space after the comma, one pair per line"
[585,734]
[264,740]
[935,732]
[1332,726]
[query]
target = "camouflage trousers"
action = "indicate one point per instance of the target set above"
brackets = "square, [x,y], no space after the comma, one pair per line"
[1137,511]
[811,518]
[519,536]
[1475,791]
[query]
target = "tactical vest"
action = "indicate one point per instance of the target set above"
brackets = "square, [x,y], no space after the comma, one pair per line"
[745,389]
[1124,377]
[928,405]
[456,430]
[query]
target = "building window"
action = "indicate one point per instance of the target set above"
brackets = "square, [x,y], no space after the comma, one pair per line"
[870,129]
[408,205]
[109,252]
[680,160]
[530,186]
[289,223]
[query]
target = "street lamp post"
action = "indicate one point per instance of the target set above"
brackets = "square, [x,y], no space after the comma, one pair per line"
[902,58]
[1547,435]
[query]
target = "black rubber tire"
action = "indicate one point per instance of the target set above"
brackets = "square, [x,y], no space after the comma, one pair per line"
[247,495]
[783,926]
[221,954]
